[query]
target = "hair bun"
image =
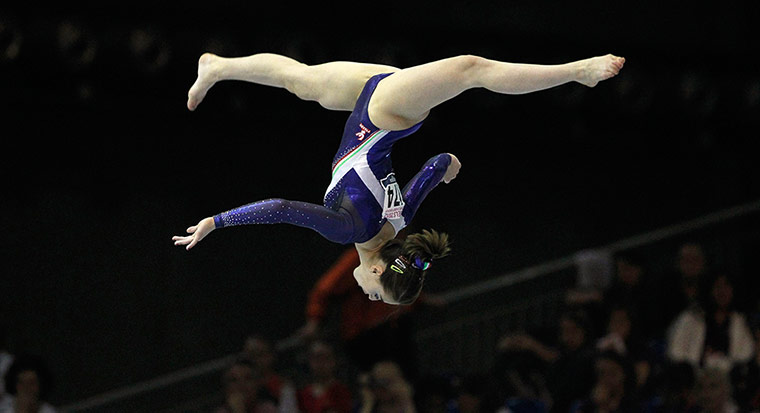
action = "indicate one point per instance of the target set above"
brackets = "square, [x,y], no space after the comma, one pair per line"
[427,245]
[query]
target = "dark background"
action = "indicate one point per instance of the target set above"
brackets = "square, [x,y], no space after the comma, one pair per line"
[102,163]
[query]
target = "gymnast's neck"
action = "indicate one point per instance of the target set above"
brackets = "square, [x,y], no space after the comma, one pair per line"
[371,248]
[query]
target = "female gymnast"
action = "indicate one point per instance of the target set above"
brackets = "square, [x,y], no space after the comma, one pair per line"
[364,204]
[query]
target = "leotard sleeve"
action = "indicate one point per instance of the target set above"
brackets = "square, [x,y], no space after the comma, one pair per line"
[420,186]
[336,226]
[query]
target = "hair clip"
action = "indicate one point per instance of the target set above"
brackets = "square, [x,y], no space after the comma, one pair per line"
[421,264]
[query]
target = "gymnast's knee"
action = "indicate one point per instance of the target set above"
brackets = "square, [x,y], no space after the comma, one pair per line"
[301,80]
[470,67]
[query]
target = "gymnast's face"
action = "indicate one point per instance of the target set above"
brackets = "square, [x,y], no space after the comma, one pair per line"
[368,278]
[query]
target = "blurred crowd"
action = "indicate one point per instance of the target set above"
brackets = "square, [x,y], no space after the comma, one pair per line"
[24,381]
[682,340]
[679,341]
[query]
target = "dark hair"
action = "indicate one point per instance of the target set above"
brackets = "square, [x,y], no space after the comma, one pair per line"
[407,262]
[706,296]
[24,363]
[581,319]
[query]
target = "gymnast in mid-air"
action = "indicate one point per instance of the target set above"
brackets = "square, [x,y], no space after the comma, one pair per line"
[364,204]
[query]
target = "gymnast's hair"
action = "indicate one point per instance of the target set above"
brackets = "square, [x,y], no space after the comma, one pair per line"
[407,262]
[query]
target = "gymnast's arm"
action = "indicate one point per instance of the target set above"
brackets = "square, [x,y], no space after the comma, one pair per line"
[334,225]
[443,167]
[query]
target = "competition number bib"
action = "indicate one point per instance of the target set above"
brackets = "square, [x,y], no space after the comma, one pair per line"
[394,202]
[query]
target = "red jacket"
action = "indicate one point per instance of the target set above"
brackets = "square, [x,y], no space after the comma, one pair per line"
[358,312]
[335,399]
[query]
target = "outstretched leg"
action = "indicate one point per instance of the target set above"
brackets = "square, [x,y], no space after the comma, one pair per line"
[406,98]
[335,85]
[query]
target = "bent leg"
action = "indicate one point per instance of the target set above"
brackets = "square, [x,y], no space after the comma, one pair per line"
[335,85]
[406,98]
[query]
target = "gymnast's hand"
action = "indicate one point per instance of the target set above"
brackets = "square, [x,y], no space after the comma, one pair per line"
[452,170]
[198,232]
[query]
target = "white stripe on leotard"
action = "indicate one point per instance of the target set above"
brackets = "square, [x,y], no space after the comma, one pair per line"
[358,162]
[352,158]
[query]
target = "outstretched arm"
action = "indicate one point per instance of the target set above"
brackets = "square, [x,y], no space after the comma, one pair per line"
[443,167]
[333,225]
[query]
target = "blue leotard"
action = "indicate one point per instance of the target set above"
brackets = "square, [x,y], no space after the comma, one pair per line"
[363,193]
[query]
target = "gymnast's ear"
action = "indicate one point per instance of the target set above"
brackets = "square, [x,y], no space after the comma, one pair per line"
[376,270]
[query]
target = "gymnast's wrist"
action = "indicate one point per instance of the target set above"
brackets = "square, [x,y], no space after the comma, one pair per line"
[218,222]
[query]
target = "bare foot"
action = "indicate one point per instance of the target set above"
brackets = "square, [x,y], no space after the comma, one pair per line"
[596,69]
[206,78]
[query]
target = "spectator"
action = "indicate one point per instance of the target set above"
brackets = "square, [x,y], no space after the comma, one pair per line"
[619,336]
[680,289]
[713,392]
[324,393]
[260,352]
[243,393]
[519,373]
[622,338]
[613,390]
[633,290]
[628,288]
[370,331]
[746,377]
[27,383]
[386,389]
[676,390]
[569,371]
[717,335]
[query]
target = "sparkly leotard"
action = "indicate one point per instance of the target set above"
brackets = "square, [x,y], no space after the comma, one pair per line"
[363,193]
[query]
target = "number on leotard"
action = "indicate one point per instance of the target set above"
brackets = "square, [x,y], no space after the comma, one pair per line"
[394,202]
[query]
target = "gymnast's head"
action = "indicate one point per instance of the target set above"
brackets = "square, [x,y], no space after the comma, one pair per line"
[399,274]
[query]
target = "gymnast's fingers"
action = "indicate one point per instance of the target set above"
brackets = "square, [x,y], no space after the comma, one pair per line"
[182,240]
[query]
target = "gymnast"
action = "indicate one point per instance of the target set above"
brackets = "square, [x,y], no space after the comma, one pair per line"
[364,203]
